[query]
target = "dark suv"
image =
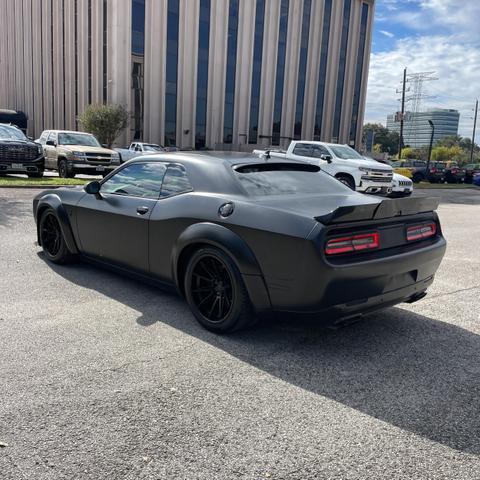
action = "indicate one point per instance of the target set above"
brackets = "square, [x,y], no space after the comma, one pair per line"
[18,154]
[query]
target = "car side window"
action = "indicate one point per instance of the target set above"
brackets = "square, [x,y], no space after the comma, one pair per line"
[319,150]
[175,181]
[396,164]
[303,149]
[138,180]
[43,137]
[53,137]
[138,148]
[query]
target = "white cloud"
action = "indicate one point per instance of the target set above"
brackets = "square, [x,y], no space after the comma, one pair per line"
[387,34]
[456,63]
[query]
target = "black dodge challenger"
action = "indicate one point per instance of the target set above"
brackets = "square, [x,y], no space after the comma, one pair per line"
[239,235]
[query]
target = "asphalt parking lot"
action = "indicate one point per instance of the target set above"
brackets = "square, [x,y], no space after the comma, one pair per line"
[106,378]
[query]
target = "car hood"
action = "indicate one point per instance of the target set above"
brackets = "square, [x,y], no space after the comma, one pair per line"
[83,148]
[370,164]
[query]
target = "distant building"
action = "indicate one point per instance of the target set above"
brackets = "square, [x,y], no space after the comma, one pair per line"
[229,74]
[417,130]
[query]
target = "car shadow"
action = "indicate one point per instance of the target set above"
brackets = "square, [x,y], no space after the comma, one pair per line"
[417,373]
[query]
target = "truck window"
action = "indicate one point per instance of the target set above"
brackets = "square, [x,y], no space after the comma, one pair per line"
[319,150]
[303,149]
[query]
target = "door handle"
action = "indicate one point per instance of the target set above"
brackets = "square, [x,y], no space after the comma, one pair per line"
[142,210]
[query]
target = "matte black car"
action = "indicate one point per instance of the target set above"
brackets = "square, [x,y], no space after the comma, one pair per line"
[240,235]
[18,154]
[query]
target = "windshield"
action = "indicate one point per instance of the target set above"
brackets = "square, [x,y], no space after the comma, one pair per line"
[345,152]
[11,133]
[152,148]
[286,179]
[84,139]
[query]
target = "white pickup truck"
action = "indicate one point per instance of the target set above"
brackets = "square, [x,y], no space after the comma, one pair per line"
[137,149]
[342,162]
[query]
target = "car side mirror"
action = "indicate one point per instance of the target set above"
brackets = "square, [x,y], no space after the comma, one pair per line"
[104,145]
[93,188]
[51,143]
[327,158]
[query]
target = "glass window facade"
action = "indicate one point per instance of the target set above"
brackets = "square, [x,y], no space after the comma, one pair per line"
[256,71]
[302,69]
[171,74]
[347,4]
[280,77]
[202,74]
[359,73]
[322,73]
[231,71]
[138,49]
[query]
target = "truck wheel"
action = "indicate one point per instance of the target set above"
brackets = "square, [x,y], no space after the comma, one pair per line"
[348,181]
[417,178]
[62,169]
[35,174]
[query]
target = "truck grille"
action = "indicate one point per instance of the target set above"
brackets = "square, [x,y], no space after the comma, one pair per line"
[98,158]
[18,153]
[377,179]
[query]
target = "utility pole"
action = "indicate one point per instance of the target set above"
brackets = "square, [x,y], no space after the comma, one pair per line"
[432,133]
[402,114]
[473,135]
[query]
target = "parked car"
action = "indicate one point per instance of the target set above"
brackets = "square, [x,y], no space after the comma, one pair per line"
[77,152]
[137,149]
[418,170]
[401,186]
[238,235]
[476,179]
[470,170]
[18,154]
[454,173]
[340,161]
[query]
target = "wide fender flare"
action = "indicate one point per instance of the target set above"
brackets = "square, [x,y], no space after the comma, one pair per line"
[53,201]
[207,233]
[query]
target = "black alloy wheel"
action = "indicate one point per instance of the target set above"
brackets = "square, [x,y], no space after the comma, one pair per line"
[52,240]
[215,291]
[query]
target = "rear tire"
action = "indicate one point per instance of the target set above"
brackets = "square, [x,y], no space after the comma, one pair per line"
[348,181]
[216,293]
[52,240]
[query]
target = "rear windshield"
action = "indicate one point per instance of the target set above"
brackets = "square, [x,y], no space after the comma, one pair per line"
[286,179]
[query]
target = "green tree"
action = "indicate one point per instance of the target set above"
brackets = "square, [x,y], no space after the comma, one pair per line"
[106,122]
[387,140]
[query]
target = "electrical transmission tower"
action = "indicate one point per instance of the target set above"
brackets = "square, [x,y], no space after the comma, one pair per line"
[414,99]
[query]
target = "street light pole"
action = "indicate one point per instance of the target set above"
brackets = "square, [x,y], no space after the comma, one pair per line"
[430,146]
[473,135]
[402,115]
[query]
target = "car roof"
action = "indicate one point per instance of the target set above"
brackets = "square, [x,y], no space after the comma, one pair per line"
[67,131]
[211,171]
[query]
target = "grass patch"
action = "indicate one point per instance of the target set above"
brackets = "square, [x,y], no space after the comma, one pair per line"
[449,186]
[40,182]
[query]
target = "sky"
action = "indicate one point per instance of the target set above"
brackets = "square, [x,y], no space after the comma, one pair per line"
[426,35]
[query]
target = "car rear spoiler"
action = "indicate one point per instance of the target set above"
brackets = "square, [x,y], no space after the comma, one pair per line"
[387,208]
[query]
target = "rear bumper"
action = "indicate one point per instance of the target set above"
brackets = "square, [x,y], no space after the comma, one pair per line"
[343,290]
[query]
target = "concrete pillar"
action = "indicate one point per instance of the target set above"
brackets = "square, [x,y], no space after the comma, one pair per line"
[97,51]
[82,55]
[69,48]
[47,64]
[119,61]
[154,80]
[37,52]
[269,69]
[187,72]
[294,36]
[243,74]
[58,79]
[216,71]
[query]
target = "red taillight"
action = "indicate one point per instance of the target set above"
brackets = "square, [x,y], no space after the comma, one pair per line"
[433,170]
[454,171]
[421,231]
[353,243]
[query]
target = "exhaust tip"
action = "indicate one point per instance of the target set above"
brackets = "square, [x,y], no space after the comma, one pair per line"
[416,297]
